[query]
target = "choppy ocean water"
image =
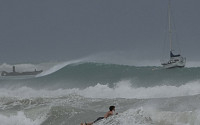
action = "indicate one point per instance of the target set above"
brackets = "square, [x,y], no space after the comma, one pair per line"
[74,92]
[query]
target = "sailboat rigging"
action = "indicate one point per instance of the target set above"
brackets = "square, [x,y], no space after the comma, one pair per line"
[175,60]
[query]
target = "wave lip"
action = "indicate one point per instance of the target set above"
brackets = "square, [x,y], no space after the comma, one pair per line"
[56,68]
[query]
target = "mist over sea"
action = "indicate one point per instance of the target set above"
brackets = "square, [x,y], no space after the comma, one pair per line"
[72,92]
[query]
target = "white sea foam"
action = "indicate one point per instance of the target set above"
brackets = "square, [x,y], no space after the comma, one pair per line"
[26,92]
[176,118]
[122,89]
[18,119]
[141,116]
[130,117]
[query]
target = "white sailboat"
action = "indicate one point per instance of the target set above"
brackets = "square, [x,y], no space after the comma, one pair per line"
[175,60]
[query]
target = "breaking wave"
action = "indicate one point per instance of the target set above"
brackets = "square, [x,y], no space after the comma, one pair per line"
[145,117]
[18,119]
[122,89]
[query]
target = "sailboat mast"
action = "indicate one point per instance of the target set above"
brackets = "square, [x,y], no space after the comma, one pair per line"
[170,30]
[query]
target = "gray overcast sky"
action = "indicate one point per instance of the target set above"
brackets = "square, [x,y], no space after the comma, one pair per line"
[46,30]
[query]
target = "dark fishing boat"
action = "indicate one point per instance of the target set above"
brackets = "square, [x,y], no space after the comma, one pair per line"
[14,73]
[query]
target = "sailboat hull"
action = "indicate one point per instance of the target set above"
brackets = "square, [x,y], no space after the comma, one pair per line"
[175,63]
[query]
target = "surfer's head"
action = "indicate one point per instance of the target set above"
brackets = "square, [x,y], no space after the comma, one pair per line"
[111,108]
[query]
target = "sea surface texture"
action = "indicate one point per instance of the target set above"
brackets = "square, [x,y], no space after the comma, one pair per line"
[72,92]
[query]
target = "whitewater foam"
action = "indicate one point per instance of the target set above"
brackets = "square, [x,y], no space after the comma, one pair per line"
[129,117]
[142,116]
[122,89]
[18,119]
[176,118]
[26,92]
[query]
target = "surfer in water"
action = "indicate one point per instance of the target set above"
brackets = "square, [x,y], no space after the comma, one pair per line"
[109,113]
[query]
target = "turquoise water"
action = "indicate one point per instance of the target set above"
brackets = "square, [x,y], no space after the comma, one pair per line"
[71,93]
